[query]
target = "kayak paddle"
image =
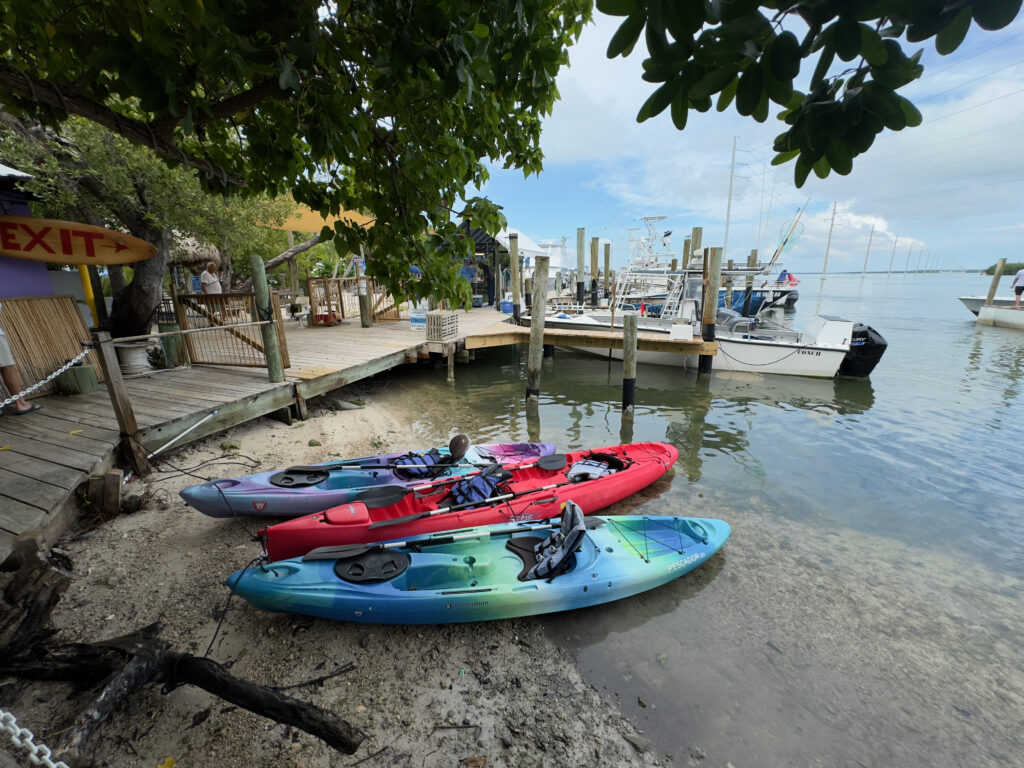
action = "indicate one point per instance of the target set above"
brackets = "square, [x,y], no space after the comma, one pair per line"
[454,507]
[352,550]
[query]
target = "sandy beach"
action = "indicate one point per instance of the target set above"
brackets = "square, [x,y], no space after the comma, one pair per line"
[491,694]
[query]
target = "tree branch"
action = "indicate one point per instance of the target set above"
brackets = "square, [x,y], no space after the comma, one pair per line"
[45,93]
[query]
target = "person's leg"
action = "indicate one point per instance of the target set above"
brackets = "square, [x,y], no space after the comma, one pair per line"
[12,380]
[1016,303]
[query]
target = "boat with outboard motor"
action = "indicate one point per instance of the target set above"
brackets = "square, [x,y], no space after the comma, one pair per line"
[530,491]
[828,346]
[303,490]
[485,573]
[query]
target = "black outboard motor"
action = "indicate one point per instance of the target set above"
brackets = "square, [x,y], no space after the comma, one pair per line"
[866,348]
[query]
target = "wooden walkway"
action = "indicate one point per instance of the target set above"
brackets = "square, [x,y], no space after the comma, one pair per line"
[45,456]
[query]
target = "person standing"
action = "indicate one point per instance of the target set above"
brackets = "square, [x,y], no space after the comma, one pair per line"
[12,380]
[210,280]
[1018,287]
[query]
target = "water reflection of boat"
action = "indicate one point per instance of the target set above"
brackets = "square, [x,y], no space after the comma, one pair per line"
[657,386]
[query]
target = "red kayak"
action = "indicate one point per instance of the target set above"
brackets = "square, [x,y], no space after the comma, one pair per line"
[594,479]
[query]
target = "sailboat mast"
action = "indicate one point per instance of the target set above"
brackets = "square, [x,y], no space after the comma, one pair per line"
[865,269]
[728,205]
[828,244]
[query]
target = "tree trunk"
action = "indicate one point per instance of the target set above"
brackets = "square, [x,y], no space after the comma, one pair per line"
[135,304]
[116,274]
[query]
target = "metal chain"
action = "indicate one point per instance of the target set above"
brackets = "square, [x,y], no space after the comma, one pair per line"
[39,754]
[51,377]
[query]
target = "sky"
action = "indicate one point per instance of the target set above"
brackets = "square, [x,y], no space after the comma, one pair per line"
[948,194]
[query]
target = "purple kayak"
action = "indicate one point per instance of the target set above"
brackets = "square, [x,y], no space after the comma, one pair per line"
[304,490]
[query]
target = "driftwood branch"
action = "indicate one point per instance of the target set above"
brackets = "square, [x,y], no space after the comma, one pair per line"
[291,253]
[124,665]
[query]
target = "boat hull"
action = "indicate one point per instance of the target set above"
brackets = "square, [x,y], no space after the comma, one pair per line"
[750,357]
[974,303]
[256,495]
[350,523]
[476,579]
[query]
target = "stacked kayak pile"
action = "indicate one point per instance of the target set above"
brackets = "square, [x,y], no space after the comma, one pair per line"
[461,533]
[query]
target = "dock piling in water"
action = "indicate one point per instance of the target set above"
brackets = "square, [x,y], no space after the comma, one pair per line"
[995,281]
[712,279]
[629,323]
[513,259]
[580,237]
[533,360]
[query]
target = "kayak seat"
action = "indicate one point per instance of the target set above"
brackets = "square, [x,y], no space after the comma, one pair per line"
[553,556]
[525,547]
[299,477]
[371,567]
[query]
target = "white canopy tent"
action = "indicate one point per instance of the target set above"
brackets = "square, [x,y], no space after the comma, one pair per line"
[530,250]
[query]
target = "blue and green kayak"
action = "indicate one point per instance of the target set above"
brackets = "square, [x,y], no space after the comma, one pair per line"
[488,572]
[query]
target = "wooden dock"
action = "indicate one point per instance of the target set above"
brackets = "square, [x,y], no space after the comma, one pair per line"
[45,456]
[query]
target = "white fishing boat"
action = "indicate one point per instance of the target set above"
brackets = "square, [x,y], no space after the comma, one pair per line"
[828,346]
[973,303]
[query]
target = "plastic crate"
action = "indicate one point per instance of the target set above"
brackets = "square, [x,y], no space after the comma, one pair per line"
[442,325]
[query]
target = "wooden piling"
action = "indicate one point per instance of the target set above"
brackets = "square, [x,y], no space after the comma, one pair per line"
[593,271]
[365,304]
[687,248]
[513,257]
[130,442]
[607,266]
[712,279]
[264,311]
[450,354]
[533,360]
[580,237]
[629,323]
[728,285]
[528,294]
[751,262]
[995,281]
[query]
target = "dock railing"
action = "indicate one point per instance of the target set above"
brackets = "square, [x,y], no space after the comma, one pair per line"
[234,329]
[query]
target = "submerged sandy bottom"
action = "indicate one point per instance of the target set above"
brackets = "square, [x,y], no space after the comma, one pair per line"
[428,696]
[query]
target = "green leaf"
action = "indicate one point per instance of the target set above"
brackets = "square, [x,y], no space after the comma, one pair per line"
[727,95]
[800,172]
[821,167]
[910,112]
[714,80]
[761,110]
[950,36]
[785,157]
[680,110]
[658,100]
[619,7]
[749,90]
[784,57]
[872,48]
[838,154]
[626,35]
[847,38]
[995,14]
[481,30]
[828,55]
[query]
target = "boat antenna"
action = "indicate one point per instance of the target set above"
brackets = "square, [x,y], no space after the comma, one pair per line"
[782,247]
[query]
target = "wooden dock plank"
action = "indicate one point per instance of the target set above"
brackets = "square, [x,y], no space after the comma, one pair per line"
[38,468]
[35,493]
[505,334]
[19,518]
[56,453]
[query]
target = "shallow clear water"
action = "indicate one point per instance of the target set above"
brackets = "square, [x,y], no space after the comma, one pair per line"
[866,610]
